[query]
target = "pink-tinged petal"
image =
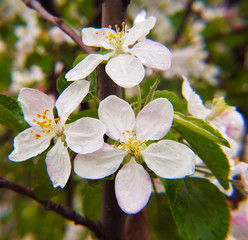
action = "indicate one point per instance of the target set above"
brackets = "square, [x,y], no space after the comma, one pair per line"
[58,164]
[154,120]
[97,37]
[99,164]
[70,98]
[152,54]
[170,159]
[117,115]
[234,123]
[28,144]
[86,66]
[85,135]
[195,104]
[138,31]
[132,187]
[33,103]
[125,70]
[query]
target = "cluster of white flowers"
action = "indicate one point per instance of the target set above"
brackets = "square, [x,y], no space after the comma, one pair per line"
[190,61]
[138,145]
[228,121]
[24,78]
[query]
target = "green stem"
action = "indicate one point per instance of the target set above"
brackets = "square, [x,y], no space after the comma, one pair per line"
[138,100]
[123,93]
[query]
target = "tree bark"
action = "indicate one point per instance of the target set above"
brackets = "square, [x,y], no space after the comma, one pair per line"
[112,217]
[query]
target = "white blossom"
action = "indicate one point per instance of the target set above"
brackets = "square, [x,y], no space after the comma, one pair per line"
[166,158]
[85,135]
[128,53]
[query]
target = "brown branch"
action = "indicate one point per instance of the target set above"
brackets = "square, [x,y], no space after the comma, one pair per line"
[184,21]
[52,206]
[35,4]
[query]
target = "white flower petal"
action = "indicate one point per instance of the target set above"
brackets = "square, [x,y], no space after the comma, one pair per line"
[58,164]
[99,164]
[152,54]
[138,31]
[34,102]
[195,104]
[70,98]
[85,135]
[132,187]
[97,37]
[125,70]
[117,115]
[169,159]
[154,120]
[234,123]
[26,145]
[86,66]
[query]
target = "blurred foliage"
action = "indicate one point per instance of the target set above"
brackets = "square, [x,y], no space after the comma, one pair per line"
[26,40]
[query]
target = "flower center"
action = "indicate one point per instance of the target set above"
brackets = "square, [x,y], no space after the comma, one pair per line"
[219,106]
[132,144]
[116,38]
[48,125]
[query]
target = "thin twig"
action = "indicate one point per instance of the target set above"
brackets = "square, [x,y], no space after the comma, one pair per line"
[183,22]
[52,206]
[35,4]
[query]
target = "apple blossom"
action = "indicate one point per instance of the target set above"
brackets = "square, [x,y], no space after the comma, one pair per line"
[239,222]
[82,136]
[128,53]
[231,125]
[166,158]
[223,117]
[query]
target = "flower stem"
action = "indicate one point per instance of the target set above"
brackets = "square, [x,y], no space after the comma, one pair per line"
[138,100]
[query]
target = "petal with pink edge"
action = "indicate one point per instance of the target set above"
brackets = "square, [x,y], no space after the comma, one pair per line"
[152,54]
[86,66]
[132,187]
[170,159]
[125,70]
[70,98]
[85,135]
[154,120]
[97,37]
[58,164]
[33,103]
[117,115]
[99,164]
[27,145]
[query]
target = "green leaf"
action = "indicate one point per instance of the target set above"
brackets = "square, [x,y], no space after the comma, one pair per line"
[92,201]
[201,127]
[92,78]
[170,136]
[62,83]
[205,147]
[200,209]
[162,224]
[41,182]
[172,187]
[11,114]
[87,113]
[178,104]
